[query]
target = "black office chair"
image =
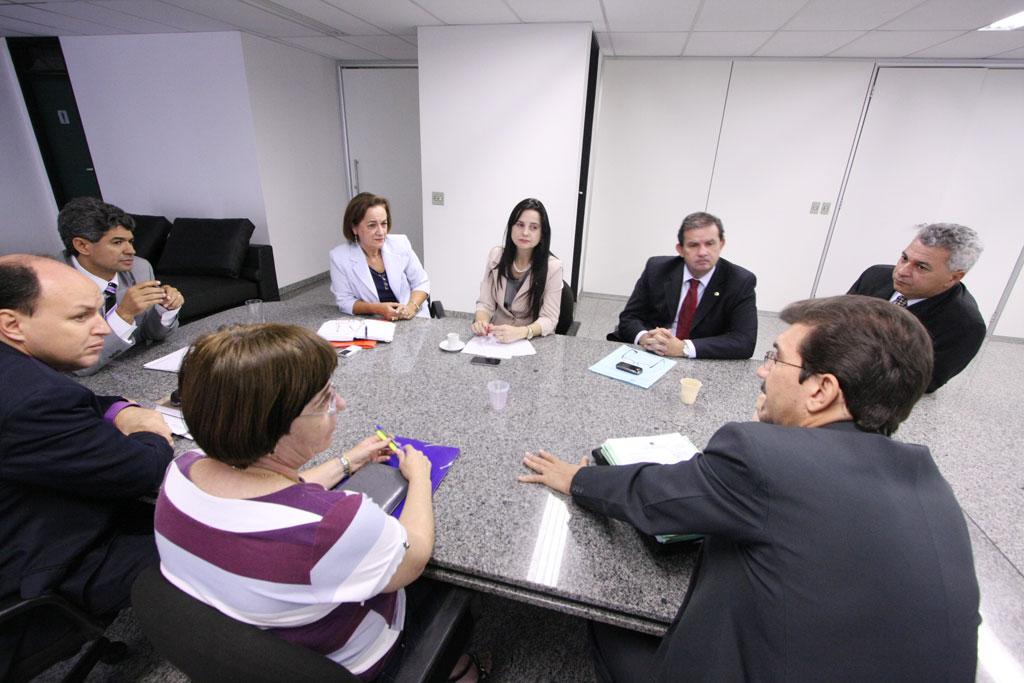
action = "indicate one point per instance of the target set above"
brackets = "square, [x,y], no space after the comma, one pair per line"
[436,308]
[70,628]
[566,325]
[209,646]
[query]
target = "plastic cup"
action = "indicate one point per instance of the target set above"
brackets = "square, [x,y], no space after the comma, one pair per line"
[254,311]
[688,390]
[497,393]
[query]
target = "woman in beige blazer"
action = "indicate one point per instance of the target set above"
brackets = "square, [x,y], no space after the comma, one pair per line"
[521,293]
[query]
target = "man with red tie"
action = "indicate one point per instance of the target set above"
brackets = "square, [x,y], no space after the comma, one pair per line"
[694,305]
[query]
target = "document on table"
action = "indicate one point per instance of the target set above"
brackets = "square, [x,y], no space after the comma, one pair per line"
[347,329]
[653,367]
[664,449]
[169,363]
[173,417]
[492,348]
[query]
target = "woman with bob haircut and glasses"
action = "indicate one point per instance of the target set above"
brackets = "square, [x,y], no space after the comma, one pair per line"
[521,293]
[375,272]
[240,528]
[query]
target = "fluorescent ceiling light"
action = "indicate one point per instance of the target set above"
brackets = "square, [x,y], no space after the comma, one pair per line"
[1010,23]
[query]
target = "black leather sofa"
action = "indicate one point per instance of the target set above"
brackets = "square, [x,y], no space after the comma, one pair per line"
[209,260]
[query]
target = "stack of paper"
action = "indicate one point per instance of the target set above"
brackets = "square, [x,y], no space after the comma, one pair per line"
[173,417]
[664,449]
[492,348]
[347,329]
[652,367]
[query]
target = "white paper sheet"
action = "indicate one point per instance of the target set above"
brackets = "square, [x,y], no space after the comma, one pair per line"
[347,329]
[492,348]
[169,363]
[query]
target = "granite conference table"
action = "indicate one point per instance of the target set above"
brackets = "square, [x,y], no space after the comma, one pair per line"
[495,534]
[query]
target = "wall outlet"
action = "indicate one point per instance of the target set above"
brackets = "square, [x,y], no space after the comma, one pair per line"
[437,198]
[815,206]
[825,206]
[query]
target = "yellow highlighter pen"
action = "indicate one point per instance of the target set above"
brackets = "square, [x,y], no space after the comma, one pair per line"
[384,437]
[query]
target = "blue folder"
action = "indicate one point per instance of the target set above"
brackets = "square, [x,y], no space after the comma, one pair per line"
[654,366]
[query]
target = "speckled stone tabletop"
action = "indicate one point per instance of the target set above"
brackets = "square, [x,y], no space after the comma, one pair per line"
[488,524]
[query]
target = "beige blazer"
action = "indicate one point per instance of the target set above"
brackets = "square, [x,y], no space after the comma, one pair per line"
[492,298]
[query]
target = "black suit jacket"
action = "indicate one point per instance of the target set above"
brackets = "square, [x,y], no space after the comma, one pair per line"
[951,318]
[725,324]
[831,554]
[65,473]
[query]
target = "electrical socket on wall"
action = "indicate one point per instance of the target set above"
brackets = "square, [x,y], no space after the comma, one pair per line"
[437,198]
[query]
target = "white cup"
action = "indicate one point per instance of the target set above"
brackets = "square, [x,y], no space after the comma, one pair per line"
[688,389]
[453,340]
[497,392]
[254,311]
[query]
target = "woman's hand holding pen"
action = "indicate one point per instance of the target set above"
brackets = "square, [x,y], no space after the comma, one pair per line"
[370,449]
[480,328]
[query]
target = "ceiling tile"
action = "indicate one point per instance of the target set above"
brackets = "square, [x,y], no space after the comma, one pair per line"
[400,17]
[976,44]
[334,48]
[648,44]
[107,17]
[725,43]
[744,15]
[389,47]
[456,12]
[245,17]
[17,27]
[877,44]
[806,43]
[844,15]
[162,13]
[62,24]
[540,11]
[650,15]
[1012,54]
[937,15]
[329,15]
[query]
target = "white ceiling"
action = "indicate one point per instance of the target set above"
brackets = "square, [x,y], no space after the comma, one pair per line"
[385,30]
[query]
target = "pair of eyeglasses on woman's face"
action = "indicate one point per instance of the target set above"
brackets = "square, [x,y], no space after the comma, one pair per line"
[332,404]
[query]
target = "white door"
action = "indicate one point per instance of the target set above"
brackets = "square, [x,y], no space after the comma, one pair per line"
[382,127]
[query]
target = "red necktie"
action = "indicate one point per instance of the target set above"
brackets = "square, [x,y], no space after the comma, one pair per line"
[687,310]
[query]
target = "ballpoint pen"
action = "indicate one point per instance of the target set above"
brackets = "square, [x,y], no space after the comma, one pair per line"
[384,437]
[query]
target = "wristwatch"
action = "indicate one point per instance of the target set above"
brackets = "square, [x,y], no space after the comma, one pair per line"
[345,464]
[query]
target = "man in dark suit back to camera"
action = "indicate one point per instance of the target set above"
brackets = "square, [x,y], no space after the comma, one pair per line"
[98,242]
[832,552]
[695,304]
[927,282]
[72,464]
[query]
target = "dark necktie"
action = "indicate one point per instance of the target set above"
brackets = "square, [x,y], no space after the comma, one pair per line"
[900,301]
[687,310]
[109,298]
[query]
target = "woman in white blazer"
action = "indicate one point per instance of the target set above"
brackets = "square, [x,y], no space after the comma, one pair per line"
[521,293]
[376,273]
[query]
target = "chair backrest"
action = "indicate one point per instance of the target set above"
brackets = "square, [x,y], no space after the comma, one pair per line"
[568,310]
[209,646]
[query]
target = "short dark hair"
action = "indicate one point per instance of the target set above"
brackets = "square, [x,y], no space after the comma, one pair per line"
[19,285]
[880,353]
[356,210]
[90,219]
[700,219]
[242,386]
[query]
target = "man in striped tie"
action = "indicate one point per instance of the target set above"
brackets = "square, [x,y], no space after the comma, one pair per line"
[927,282]
[695,304]
[98,241]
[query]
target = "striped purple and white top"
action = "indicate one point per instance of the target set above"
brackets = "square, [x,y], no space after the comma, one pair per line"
[305,563]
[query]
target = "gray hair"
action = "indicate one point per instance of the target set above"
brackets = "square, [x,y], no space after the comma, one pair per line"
[963,244]
[90,219]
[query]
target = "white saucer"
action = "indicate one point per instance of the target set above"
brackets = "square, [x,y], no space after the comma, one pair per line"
[444,346]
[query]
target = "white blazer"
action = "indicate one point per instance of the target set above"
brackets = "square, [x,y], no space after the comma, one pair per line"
[351,280]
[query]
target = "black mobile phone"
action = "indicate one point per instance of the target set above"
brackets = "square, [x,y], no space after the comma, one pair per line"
[348,351]
[628,367]
[484,360]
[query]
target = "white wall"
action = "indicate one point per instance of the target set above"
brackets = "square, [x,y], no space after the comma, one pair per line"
[654,144]
[297,121]
[169,123]
[30,213]
[501,118]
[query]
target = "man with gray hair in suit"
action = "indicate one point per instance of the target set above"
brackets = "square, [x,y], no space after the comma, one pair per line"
[927,282]
[98,241]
